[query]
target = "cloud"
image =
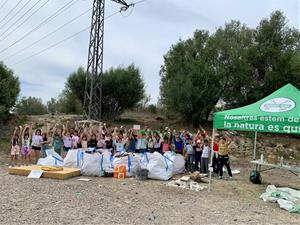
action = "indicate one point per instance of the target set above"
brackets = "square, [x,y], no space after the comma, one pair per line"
[142,38]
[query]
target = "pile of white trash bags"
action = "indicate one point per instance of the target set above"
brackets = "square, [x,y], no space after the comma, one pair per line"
[160,167]
[287,198]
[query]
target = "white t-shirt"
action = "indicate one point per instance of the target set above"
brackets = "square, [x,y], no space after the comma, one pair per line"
[205,152]
[36,140]
[67,142]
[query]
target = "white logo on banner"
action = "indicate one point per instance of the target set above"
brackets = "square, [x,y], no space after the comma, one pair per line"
[278,105]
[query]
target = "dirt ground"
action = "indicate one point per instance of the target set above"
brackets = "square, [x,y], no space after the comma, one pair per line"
[129,201]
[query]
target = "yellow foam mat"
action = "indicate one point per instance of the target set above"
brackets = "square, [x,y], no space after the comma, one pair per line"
[66,173]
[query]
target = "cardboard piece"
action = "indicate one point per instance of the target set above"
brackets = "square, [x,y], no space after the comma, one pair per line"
[60,175]
[35,174]
[136,127]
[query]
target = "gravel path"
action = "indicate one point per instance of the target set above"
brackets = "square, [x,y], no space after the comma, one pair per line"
[110,201]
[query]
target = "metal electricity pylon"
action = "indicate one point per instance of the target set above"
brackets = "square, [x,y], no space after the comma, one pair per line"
[93,84]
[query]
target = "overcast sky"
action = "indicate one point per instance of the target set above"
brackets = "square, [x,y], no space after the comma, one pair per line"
[142,37]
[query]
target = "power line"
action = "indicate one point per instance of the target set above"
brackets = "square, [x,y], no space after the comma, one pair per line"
[61,41]
[15,14]
[57,13]
[138,2]
[24,21]
[11,11]
[71,36]
[3,4]
[48,35]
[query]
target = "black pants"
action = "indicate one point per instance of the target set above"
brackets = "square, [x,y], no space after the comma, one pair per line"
[215,164]
[224,161]
[197,160]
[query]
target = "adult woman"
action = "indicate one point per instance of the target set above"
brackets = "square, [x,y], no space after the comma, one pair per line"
[224,157]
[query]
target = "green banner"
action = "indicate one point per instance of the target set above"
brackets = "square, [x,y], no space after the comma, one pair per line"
[277,113]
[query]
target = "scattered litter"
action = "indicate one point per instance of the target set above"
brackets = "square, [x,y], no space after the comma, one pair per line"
[152,217]
[186,183]
[100,185]
[78,193]
[287,198]
[123,183]
[235,171]
[35,174]
[84,179]
[185,178]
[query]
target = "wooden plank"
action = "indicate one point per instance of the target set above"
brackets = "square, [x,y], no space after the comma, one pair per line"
[60,175]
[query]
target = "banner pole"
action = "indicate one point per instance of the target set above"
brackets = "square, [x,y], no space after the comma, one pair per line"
[254,147]
[211,159]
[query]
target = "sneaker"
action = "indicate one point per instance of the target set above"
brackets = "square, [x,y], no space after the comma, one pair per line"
[230,178]
[220,177]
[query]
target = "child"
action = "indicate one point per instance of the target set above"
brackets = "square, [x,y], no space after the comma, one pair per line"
[44,144]
[83,141]
[120,144]
[143,143]
[198,154]
[205,157]
[74,140]
[37,140]
[178,143]
[101,141]
[150,143]
[215,162]
[92,143]
[132,138]
[57,142]
[108,143]
[25,150]
[157,142]
[138,143]
[67,139]
[15,148]
[190,156]
[165,145]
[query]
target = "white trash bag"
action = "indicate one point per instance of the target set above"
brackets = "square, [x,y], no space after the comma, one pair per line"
[106,161]
[287,198]
[52,152]
[178,162]
[144,159]
[91,165]
[74,158]
[160,167]
[51,160]
[131,161]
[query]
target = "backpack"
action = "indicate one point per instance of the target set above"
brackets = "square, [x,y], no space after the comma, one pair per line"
[255,177]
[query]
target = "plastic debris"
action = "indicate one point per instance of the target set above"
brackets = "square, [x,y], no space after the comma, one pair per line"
[287,198]
[186,183]
[84,179]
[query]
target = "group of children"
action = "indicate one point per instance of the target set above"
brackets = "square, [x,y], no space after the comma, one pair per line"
[195,148]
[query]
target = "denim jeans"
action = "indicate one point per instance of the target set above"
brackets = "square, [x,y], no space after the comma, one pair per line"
[190,162]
